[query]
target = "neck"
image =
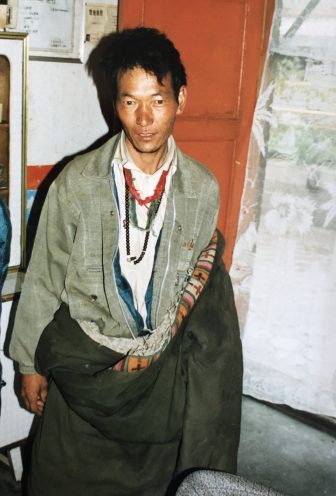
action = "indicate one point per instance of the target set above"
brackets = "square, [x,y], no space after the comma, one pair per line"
[148,162]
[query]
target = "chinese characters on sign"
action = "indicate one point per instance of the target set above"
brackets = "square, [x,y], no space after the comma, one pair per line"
[101,19]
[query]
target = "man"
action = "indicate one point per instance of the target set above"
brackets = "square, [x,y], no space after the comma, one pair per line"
[126,322]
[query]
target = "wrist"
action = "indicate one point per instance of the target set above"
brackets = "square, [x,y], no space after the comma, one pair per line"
[27,369]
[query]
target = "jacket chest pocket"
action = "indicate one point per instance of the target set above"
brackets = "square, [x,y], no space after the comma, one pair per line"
[186,254]
[187,242]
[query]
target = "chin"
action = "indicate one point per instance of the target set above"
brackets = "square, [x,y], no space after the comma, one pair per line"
[146,148]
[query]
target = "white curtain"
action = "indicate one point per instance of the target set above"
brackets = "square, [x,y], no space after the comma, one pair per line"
[284,263]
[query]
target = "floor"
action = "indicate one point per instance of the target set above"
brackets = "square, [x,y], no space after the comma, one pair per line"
[276,450]
[286,454]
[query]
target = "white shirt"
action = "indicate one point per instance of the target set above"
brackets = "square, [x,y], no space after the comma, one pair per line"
[138,276]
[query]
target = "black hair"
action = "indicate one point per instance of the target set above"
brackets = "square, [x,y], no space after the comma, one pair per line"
[142,47]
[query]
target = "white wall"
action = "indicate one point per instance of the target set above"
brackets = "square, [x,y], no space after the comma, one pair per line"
[63,110]
[64,115]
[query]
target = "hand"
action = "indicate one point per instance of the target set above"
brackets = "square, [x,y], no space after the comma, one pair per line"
[34,390]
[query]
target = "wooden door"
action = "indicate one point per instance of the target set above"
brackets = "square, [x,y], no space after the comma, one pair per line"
[222,44]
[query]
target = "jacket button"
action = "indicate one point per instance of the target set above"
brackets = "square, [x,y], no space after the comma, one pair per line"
[93,297]
[179,228]
[112,212]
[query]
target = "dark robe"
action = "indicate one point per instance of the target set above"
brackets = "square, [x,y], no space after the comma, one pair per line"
[109,433]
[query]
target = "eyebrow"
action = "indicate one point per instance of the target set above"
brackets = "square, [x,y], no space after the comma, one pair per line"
[133,96]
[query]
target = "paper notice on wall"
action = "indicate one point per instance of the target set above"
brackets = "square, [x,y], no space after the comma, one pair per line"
[48,22]
[101,19]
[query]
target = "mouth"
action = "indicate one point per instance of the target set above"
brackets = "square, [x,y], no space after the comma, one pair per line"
[146,135]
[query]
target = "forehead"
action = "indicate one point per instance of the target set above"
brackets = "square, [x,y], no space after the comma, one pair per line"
[138,81]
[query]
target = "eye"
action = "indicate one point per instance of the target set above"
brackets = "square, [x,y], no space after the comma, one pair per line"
[129,102]
[159,102]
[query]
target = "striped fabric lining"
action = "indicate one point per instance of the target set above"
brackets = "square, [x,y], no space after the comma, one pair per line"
[192,291]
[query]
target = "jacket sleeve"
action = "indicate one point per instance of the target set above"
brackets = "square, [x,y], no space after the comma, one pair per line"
[44,281]
[213,370]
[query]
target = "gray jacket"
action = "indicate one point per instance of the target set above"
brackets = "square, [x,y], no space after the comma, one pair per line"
[77,239]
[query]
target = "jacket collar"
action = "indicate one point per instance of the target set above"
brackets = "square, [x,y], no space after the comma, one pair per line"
[99,163]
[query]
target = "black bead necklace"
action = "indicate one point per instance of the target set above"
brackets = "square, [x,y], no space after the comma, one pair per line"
[126,224]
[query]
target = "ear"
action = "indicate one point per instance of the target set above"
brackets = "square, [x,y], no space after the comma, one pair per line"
[182,99]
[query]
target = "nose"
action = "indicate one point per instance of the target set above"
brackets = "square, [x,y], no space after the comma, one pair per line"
[144,116]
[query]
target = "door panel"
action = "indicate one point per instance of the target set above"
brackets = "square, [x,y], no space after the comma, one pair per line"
[222,44]
[216,153]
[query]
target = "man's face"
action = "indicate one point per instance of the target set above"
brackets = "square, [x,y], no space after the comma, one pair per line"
[147,111]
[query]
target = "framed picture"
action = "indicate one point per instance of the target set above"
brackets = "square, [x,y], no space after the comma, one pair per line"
[13,78]
[55,27]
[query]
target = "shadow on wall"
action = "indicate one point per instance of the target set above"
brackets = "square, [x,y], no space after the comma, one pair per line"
[102,81]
